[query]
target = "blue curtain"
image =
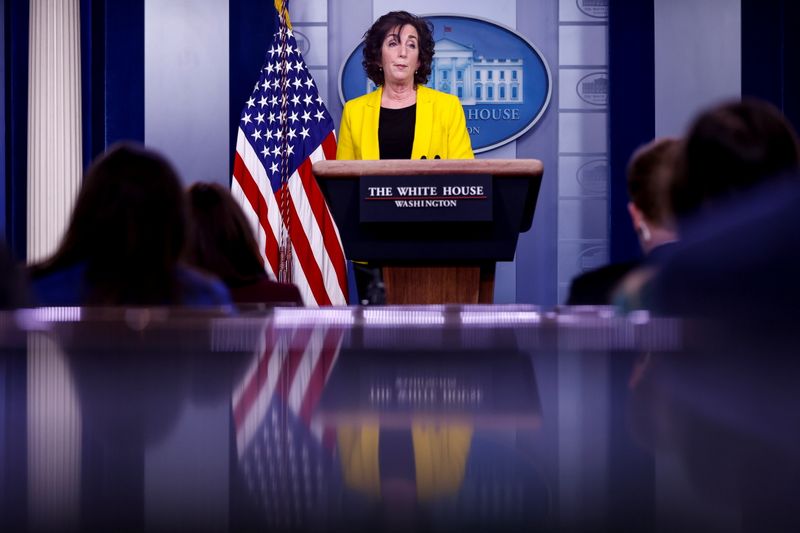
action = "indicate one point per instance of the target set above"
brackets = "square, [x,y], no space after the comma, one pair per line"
[631,111]
[252,23]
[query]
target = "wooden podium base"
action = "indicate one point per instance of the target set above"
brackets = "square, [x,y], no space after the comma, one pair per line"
[439,284]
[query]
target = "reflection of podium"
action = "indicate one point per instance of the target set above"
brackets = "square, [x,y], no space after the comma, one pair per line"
[487,388]
[432,247]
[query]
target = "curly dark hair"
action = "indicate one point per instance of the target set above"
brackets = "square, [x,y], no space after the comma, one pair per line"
[373,43]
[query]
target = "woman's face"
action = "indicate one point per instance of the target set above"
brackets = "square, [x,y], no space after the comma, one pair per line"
[400,55]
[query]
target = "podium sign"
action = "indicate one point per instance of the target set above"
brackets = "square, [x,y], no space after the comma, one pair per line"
[439,198]
[438,252]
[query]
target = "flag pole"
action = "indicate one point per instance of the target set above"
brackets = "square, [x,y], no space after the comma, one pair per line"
[285,247]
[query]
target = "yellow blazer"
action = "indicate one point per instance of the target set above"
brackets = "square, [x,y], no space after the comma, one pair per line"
[440,128]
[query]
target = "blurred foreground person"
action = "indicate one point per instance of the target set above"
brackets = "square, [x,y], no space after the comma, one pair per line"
[730,152]
[125,239]
[650,172]
[223,243]
[740,262]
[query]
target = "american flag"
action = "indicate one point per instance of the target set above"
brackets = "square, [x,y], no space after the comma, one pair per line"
[284,128]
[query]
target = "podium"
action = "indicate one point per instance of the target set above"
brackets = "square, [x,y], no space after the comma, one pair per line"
[437,255]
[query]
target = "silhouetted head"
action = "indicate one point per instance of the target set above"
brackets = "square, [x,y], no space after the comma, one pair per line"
[729,149]
[222,239]
[128,226]
[650,173]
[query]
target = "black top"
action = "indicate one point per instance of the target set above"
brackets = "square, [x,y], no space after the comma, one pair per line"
[396,132]
[597,287]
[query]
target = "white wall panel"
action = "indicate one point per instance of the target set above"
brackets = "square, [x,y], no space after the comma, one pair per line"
[583,132]
[583,45]
[186,86]
[313,43]
[502,11]
[308,10]
[586,219]
[698,49]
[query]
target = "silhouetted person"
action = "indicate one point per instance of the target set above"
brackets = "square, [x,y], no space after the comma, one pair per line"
[730,149]
[650,172]
[737,193]
[125,240]
[223,243]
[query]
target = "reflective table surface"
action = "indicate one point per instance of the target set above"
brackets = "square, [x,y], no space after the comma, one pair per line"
[395,419]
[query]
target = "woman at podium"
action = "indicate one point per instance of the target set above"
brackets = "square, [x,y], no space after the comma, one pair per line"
[402,119]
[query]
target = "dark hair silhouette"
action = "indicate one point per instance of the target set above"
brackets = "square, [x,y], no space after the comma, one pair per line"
[650,173]
[128,227]
[376,34]
[731,148]
[222,240]
[222,243]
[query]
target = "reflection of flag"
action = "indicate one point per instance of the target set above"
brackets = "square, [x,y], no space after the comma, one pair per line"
[285,127]
[448,29]
[286,459]
[293,367]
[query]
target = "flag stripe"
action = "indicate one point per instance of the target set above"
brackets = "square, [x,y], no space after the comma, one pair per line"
[330,349]
[330,235]
[300,387]
[320,242]
[258,410]
[272,222]
[296,350]
[259,206]
[290,371]
[329,146]
[305,255]
[255,225]
[256,382]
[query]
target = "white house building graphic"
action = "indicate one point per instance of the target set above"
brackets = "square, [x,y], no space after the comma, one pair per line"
[501,79]
[475,80]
